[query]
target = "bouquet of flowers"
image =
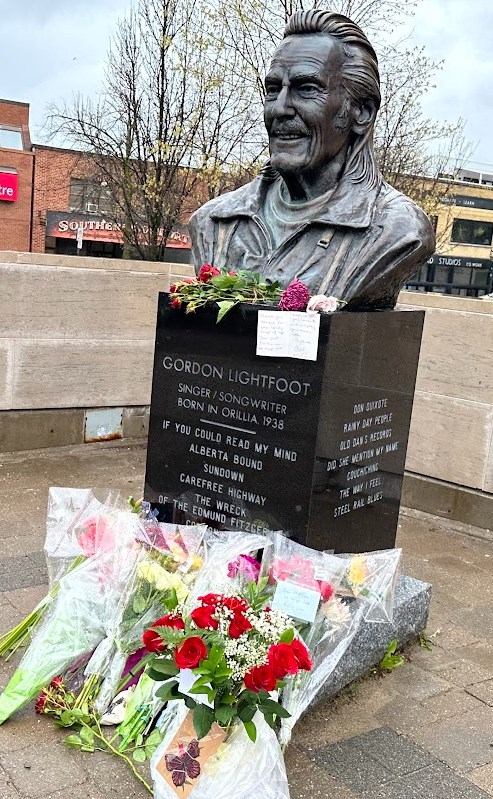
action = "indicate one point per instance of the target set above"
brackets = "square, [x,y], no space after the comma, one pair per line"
[329,596]
[225,660]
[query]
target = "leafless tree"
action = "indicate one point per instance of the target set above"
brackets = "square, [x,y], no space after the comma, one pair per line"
[171,124]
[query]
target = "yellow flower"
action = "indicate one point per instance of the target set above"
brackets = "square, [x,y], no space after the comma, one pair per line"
[195,562]
[149,571]
[357,570]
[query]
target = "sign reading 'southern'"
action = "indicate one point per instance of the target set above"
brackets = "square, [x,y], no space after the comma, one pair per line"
[9,185]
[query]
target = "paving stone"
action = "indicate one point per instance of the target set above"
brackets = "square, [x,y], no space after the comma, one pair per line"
[352,766]
[309,781]
[433,659]
[453,703]
[330,722]
[393,751]
[481,654]
[452,635]
[22,571]
[436,781]
[465,673]
[43,768]
[464,742]
[26,599]
[113,777]
[483,691]
[479,619]
[415,683]
[7,789]
[483,778]
[404,716]
[19,732]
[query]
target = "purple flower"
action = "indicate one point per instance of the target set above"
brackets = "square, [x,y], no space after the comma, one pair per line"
[295,297]
[246,566]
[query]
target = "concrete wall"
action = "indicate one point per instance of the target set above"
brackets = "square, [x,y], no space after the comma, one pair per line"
[78,333]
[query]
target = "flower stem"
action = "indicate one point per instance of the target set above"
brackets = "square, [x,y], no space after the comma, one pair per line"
[99,734]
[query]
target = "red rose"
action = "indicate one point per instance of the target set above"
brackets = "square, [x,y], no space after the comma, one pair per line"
[190,653]
[282,660]
[260,678]
[153,641]
[239,625]
[204,617]
[234,603]
[232,274]
[40,703]
[170,620]
[176,303]
[211,599]
[325,589]
[56,682]
[302,655]
[207,272]
[172,288]
[189,280]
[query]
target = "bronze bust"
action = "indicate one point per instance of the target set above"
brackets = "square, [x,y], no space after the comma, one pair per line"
[320,210]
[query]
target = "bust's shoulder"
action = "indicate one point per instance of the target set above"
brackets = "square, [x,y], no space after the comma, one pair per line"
[393,204]
[230,203]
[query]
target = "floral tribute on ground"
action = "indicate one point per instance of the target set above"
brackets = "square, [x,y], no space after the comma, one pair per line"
[190,650]
[227,288]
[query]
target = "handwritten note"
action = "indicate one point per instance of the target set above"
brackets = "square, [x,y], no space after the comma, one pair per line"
[288,334]
[297,601]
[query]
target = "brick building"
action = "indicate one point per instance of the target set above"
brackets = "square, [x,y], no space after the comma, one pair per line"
[58,207]
[16,177]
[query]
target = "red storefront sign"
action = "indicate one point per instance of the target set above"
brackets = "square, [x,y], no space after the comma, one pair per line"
[9,184]
[64,225]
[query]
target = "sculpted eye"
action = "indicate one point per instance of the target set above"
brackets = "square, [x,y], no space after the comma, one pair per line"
[272,90]
[308,89]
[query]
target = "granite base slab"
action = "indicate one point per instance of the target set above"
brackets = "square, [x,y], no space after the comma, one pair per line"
[411,608]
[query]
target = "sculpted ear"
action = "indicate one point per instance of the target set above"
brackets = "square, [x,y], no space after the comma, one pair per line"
[363,116]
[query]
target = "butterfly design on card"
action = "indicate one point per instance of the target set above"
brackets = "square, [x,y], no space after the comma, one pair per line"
[184,763]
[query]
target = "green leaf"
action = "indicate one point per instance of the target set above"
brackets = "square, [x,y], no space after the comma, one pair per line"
[288,636]
[165,667]
[67,718]
[224,714]
[154,738]
[74,741]
[247,712]
[138,755]
[87,735]
[190,703]
[138,604]
[203,718]
[87,748]
[139,740]
[224,307]
[269,706]
[165,691]
[251,730]
[171,600]
[391,661]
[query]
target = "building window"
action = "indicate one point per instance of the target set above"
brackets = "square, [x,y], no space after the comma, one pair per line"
[90,197]
[467,231]
[11,138]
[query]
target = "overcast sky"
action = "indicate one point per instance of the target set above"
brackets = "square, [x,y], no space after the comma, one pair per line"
[51,49]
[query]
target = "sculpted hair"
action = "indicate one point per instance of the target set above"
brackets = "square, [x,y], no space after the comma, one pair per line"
[359,76]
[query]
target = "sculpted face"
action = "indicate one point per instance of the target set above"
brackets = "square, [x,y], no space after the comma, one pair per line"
[307,112]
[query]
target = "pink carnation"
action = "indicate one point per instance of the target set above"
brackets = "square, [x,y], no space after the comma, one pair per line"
[295,297]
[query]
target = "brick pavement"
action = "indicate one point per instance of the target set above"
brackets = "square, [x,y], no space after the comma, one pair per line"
[425,730]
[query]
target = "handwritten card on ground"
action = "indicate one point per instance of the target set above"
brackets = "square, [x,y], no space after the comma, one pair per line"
[297,601]
[288,334]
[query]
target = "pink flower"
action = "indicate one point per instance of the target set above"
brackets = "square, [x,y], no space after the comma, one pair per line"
[246,566]
[322,303]
[295,297]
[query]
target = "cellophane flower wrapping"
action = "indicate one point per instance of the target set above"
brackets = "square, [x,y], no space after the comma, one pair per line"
[222,548]
[154,574]
[75,623]
[239,768]
[352,588]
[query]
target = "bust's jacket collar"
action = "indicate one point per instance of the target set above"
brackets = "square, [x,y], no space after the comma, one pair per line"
[351,205]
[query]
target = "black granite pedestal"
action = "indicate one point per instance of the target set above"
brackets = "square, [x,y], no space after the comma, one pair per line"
[313,448]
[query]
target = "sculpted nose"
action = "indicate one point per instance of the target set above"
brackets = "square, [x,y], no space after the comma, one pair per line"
[283,106]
